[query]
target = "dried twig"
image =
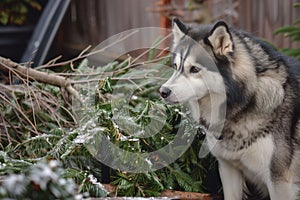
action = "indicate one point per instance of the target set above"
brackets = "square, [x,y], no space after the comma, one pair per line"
[40,76]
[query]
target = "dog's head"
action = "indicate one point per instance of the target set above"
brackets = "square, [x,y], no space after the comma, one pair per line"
[195,53]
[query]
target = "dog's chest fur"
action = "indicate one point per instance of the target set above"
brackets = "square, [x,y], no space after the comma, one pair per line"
[247,144]
[239,134]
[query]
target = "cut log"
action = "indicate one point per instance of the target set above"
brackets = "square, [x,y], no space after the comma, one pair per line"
[186,195]
[173,194]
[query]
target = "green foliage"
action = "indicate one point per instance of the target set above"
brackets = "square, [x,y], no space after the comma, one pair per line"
[139,184]
[41,181]
[41,107]
[78,164]
[15,12]
[30,111]
[136,108]
[88,184]
[293,32]
[187,173]
[8,164]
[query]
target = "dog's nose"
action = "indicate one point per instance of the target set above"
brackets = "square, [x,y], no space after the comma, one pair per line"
[164,92]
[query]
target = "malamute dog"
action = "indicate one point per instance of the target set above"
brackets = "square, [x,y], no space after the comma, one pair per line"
[259,143]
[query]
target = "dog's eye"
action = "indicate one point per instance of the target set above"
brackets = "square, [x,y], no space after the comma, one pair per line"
[194,70]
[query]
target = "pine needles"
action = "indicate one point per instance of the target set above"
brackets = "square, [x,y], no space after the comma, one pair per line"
[39,124]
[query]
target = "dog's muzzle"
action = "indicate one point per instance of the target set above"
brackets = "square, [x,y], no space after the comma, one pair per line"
[164,92]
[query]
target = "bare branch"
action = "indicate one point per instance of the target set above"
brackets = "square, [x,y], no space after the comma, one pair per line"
[40,76]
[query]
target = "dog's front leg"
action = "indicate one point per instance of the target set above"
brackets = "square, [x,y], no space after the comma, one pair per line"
[232,181]
[282,191]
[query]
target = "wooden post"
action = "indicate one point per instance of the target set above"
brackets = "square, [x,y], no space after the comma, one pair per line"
[165,22]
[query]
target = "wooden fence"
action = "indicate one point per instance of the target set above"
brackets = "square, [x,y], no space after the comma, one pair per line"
[92,21]
[260,17]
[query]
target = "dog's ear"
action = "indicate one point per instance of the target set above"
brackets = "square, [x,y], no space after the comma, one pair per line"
[179,29]
[220,40]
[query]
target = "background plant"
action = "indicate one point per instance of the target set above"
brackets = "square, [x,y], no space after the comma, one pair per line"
[17,12]
[293,32]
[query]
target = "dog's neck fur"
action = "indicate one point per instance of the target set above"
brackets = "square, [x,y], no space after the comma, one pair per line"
[210,111]
[264,94]
[218,120]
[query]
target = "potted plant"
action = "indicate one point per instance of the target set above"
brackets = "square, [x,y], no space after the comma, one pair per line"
[17,20]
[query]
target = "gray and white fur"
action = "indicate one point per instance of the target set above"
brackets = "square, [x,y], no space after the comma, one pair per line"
[259,143]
